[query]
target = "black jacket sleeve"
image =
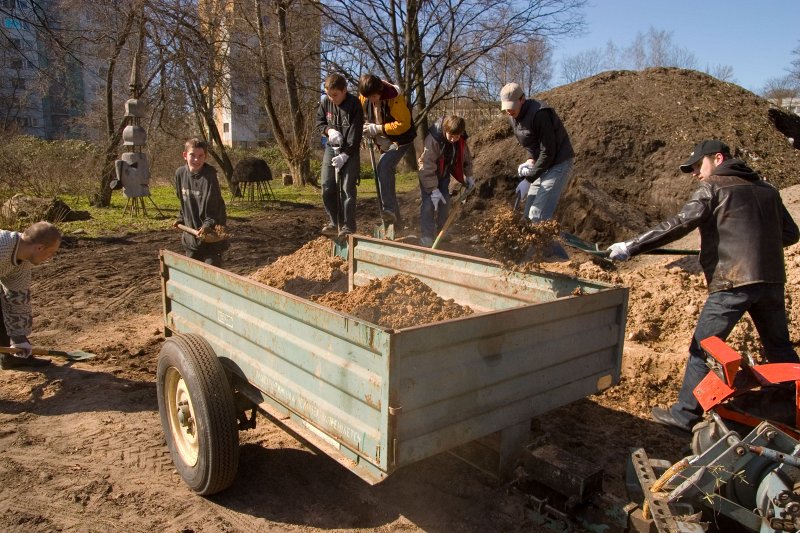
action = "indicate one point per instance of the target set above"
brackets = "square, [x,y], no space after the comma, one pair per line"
[693,213]
[352,140]
[790,232]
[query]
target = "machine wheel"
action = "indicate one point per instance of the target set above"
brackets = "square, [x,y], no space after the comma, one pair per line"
[198,413]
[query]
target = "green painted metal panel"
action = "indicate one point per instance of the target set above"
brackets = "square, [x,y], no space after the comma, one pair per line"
[329,368]
[377,399]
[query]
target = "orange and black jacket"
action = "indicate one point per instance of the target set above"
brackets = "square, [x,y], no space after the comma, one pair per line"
[398,125]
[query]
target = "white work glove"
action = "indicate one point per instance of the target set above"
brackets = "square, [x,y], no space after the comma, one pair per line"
[470,182]
[335,137]
[437,198]
[523,188]
[22,344]
[372,130]
[619,252]
[339,161]
[525,170]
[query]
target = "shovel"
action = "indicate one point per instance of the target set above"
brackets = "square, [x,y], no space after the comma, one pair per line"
[384,231]
[72,356]
[456,207]
[595,249]
[207,237]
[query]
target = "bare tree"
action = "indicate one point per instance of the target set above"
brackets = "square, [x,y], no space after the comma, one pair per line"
[529,64]
[582,65]
[722,72]
[656,49]
[780,88]
[652,49]
[194,42]
[794,70]
[294,141]
[431,48]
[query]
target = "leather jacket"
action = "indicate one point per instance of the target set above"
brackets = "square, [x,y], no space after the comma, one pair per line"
[743,224]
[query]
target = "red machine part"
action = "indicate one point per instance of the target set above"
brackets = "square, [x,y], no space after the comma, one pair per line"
[713,391]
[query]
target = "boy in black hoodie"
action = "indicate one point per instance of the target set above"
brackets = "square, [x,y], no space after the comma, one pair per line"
[202,206]
[744,227]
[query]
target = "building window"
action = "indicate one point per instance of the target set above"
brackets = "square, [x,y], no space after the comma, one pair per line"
[15,64]
[226,127]
[241,109]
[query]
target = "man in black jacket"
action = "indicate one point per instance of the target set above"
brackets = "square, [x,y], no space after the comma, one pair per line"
[744,227]
[202,206]
[340,119]
[540,131]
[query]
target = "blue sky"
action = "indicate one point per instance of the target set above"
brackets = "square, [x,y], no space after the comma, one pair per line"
[755,37]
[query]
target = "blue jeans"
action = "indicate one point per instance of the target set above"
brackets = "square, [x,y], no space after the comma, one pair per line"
[722,310]
[387,172]
[428,228]
[545,192]
[343,216]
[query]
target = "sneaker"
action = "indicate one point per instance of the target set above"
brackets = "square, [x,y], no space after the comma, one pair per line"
[344,232]
[388,216]
[329,230]
[426,242]
[8,361]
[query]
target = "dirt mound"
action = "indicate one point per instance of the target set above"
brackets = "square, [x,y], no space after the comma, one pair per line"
[396,302]
[309,271]
[630,131]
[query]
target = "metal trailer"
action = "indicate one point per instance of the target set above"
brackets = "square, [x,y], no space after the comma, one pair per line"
[373,398]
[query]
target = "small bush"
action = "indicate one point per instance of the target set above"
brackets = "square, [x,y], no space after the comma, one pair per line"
[46,169]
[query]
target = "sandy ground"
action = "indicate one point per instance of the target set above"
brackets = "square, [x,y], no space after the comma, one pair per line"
[81,446]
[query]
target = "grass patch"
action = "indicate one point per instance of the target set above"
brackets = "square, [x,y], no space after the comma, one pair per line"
[117,219]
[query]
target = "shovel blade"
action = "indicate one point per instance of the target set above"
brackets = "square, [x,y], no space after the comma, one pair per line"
[77,355]
[384,231]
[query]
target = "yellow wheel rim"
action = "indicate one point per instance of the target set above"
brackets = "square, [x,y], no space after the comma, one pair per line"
[181,417]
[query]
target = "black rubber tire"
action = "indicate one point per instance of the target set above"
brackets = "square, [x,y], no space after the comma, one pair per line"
[206,449]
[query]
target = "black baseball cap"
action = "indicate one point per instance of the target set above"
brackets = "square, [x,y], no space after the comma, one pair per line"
[704,148]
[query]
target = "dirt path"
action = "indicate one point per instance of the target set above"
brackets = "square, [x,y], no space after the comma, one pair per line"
[81,447]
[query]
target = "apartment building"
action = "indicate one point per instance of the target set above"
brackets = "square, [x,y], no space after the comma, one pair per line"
[40,89]
[239,109]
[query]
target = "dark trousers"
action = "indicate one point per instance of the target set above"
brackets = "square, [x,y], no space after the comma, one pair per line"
[722,310]
[210,254]
[344,215]
[5,340]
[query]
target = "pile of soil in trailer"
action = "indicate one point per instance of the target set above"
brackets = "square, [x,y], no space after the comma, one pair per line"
[398,301]
[395,302]
[630,131]
[311,270]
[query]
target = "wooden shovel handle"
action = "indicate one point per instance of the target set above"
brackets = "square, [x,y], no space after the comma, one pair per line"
[187,229]
[34,351]
[209,237]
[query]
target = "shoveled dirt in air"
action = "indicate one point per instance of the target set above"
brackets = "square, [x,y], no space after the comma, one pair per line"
[81,447]
[508,239]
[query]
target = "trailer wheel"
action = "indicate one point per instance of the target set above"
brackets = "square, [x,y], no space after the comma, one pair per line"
[198,413]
